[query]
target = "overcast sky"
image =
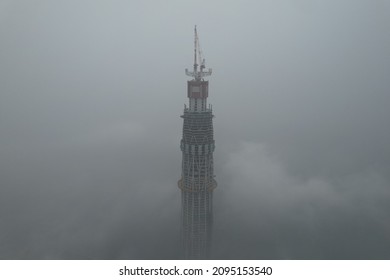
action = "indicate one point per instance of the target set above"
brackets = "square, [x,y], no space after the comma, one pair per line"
[90,98]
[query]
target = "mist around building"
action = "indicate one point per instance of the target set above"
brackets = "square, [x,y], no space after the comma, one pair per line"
[91,94]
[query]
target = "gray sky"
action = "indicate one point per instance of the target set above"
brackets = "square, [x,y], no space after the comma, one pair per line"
[90,98]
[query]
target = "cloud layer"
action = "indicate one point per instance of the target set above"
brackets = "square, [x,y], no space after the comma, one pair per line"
[90,98]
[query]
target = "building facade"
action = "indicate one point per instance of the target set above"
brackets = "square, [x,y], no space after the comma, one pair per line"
[197,177]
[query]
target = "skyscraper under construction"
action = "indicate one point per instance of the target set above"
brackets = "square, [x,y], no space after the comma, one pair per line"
[197,176]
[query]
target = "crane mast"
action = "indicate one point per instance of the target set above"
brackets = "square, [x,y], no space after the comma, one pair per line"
[198,61]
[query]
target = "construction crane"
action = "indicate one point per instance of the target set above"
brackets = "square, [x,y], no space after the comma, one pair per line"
[198,61]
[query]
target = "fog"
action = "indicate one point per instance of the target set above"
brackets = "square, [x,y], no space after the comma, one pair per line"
[90,98]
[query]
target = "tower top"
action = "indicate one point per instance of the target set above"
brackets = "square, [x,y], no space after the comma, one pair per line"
[198,61]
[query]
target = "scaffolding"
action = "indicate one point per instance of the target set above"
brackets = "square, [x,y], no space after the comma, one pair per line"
[197,183]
